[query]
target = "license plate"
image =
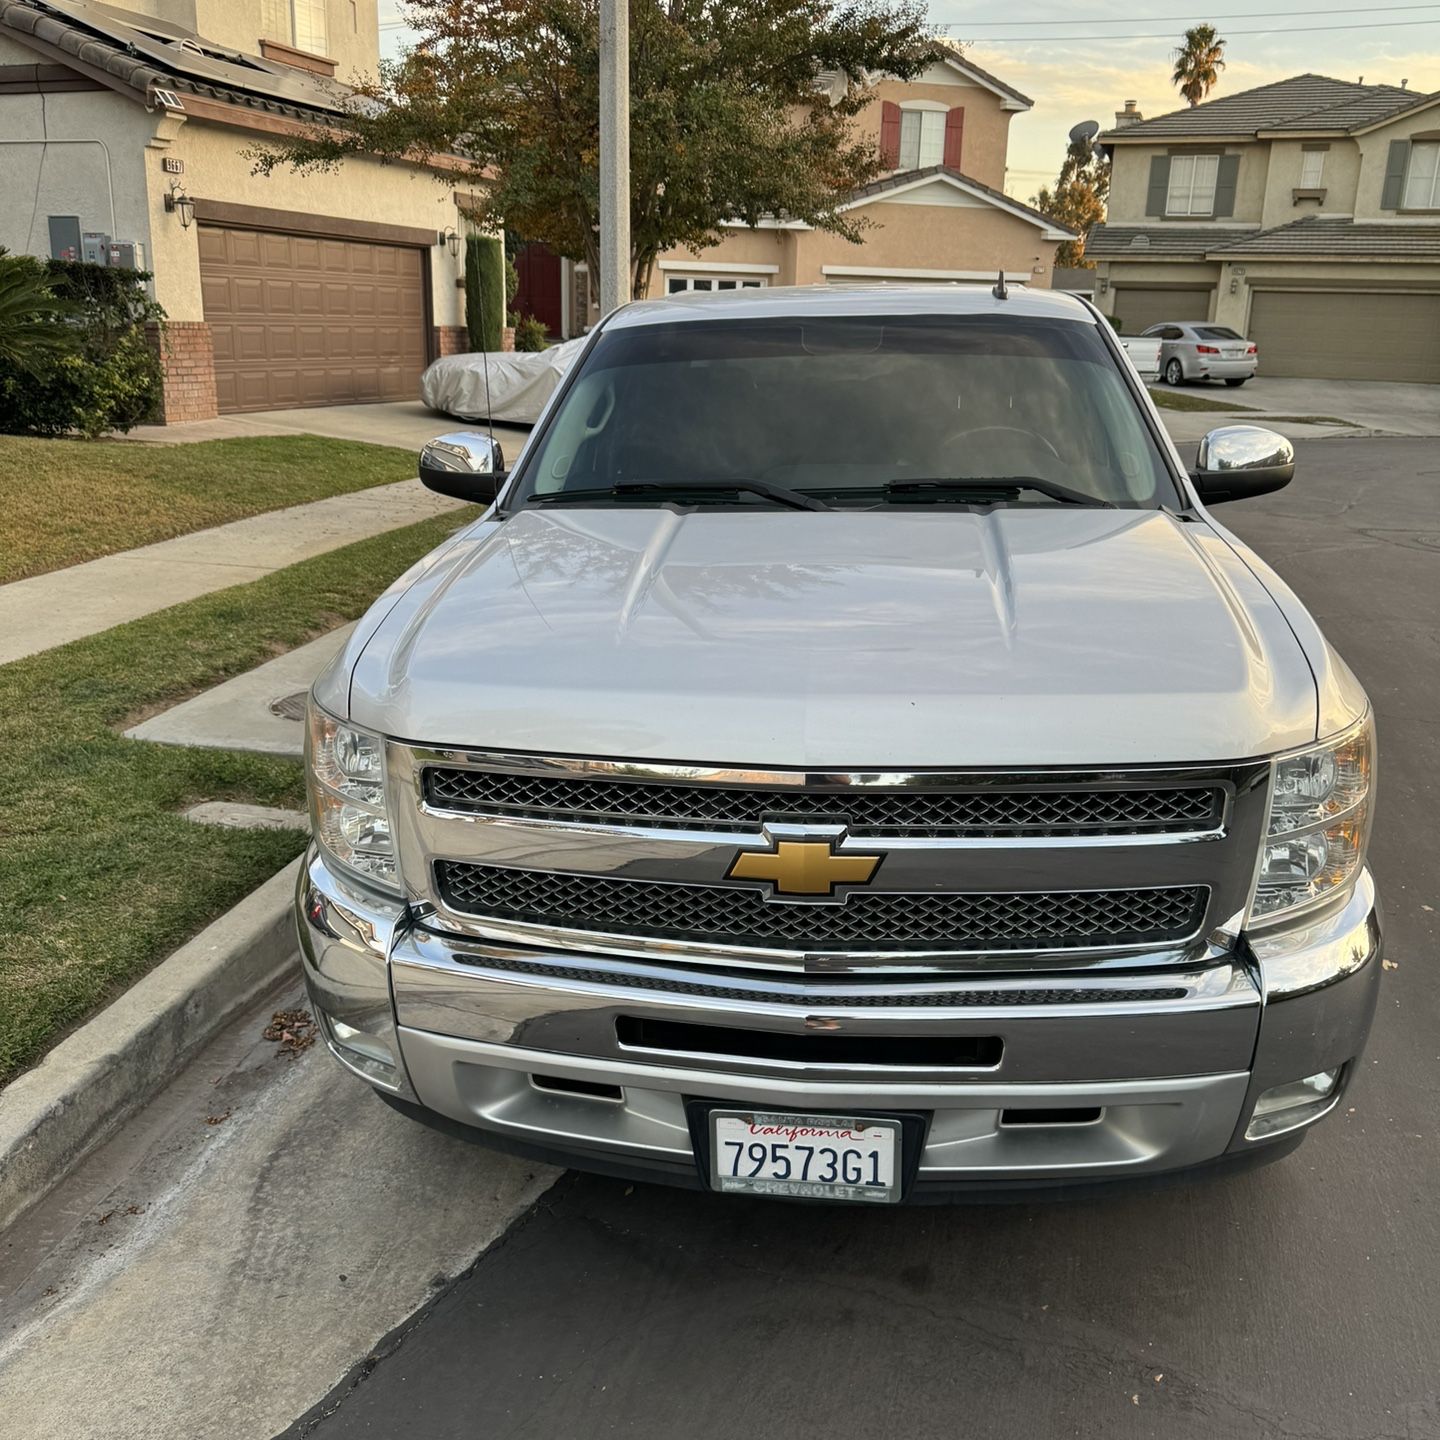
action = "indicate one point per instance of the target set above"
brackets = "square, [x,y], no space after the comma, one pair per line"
[817,1157]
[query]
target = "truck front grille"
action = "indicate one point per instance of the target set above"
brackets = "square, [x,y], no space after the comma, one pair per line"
[865,812]
[863,921]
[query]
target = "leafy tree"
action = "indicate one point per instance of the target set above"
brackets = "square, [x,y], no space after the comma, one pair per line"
[1198,63]
[726,121]
[1078,198]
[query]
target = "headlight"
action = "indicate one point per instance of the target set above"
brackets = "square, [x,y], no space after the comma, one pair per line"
[345,771]
[1320,805]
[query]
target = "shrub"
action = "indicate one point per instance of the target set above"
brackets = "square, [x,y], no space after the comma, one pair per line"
[107,377]
[531,334]
[484,291]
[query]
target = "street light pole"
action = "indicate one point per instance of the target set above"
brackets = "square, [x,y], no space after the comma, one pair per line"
[614,154]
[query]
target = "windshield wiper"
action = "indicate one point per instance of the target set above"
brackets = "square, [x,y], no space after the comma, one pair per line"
[674,489]
[1003,486]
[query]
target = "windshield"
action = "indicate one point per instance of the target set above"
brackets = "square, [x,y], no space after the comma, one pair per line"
[1217,332]
[849,411]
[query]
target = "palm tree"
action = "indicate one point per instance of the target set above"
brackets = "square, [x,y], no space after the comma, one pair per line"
[31,335]
[1198,63]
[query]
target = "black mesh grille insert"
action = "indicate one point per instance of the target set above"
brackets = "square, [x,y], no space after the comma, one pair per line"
[865,812]
[734,915]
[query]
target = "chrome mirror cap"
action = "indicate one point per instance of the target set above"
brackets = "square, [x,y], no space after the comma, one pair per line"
[464,465]
[467,451]
[1237,461]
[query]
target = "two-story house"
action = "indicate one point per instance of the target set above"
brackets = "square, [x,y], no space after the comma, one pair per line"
[127,132]
[1303,214]
[939,213]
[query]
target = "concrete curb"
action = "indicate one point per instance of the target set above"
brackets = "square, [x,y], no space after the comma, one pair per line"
[54,1115]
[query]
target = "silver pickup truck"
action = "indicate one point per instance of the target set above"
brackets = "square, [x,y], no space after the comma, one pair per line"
[846,760]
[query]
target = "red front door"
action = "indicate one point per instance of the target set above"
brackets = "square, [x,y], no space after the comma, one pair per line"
[539,292]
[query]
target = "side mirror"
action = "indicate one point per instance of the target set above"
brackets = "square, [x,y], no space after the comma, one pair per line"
[465,465]
[1238,461]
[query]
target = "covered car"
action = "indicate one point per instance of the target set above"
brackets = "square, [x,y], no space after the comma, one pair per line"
[520,382]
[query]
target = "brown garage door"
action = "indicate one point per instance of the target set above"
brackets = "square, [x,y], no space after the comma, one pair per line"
[306,320]
[1351,336]
[1138,310]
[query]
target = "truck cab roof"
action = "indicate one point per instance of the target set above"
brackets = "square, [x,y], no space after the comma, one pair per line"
[780,301]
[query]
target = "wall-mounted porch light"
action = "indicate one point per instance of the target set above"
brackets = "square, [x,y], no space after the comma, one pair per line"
[177,202]
[450,238]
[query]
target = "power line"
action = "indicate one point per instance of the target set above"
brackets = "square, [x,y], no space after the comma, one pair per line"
[1180,20]
[1170,34]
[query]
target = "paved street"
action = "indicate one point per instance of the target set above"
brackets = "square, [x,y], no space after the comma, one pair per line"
[1298,1301]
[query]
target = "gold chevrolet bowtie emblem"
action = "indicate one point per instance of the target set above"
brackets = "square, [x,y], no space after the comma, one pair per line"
[803,867]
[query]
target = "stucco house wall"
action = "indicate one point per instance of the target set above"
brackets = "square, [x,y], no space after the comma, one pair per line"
[136,151]
[987,125]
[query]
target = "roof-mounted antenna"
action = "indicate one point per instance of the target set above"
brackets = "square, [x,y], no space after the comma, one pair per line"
[1000,292]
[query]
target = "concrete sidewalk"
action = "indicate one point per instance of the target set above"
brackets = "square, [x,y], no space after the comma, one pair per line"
[48,610]
[406,423]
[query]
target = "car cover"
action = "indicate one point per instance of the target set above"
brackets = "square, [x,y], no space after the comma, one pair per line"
[520,382]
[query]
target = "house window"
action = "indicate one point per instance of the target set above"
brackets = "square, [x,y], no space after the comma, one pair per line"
[300,23]
[922,138]
[1422,179]
[1312,169]
[676,284]
[1192,185]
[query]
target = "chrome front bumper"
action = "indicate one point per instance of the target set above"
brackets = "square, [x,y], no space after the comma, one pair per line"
[523,1045]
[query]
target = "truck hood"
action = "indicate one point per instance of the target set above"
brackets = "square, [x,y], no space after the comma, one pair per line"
[853,639]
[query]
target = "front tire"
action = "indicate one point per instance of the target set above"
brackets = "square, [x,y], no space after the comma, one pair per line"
[1174,373]
[1235,384]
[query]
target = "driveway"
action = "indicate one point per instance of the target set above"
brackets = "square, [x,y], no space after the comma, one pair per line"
[404,423]
[1394,409]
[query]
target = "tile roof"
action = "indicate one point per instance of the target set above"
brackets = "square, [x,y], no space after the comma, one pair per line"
[1383,102]
[142,53]
[908,177]
[1170,242]
[1267,107]
[1315,236]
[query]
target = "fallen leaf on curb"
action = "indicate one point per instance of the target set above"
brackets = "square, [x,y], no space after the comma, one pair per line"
[217,1119]
[292,1030]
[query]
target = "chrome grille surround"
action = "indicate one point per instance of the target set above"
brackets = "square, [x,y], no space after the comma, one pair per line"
[971,874]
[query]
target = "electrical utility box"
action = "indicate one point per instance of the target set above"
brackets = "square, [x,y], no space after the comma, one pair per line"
[128,254]
[95,248]
[64,237]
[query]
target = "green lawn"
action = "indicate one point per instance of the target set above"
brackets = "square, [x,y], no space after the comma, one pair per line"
[63,501]
[1177,400]
[100,877]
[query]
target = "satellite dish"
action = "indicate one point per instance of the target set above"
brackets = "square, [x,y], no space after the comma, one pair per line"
[1085,130]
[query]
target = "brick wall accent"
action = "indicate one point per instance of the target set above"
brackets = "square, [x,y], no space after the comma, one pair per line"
[451,340]
[455,339]
[187,355]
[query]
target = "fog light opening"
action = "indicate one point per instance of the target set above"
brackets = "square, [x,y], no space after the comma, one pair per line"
[1298,1102]
[367,1055]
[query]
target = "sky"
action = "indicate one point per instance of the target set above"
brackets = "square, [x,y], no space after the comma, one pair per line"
[1059,55]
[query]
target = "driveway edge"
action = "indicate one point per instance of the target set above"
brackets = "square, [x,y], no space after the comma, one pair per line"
[57,1113]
